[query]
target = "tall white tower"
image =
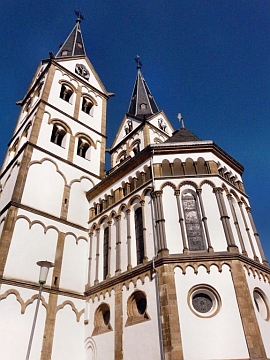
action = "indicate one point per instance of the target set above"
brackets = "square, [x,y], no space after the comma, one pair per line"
[56,154]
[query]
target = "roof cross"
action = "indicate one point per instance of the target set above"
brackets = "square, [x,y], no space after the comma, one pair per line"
[181,120]
[138,61]
[79,15]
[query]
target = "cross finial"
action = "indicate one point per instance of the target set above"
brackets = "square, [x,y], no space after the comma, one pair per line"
[138,61]
[181,120]
[79,15]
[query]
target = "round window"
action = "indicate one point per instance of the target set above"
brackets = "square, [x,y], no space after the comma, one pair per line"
[204,301]
[261,303]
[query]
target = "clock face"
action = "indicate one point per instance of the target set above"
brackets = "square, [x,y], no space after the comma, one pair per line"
[202,303]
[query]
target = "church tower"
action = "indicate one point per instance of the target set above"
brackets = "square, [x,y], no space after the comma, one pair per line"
[157,258]
[176,268]
[56,154]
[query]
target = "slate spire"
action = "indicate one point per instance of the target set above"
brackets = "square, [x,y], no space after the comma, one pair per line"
[73,46]
[142,102]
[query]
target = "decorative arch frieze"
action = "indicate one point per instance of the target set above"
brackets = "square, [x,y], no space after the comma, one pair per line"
[37,222]
[73,307]
[187,182]
[168,183]
[76,238]
[80,180]
[207,182]
[235,195]
[40,162]
[207,265]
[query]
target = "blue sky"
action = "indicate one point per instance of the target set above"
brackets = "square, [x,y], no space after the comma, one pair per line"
[208,59]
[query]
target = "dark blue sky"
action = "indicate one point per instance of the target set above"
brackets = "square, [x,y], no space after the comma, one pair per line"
[209,60]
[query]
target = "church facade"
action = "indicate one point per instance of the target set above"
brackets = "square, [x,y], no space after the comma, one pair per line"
[157,258]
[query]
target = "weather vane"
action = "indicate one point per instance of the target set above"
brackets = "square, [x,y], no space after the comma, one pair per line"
[181,120]
[138,61]
[79,15]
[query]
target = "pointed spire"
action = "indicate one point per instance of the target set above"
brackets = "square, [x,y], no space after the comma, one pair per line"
[73,46]
[142,102]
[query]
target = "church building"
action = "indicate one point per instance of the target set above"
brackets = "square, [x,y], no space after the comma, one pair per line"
[157,258]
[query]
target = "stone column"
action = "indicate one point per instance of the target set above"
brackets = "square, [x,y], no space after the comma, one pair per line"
[264,261]
[204,221]
[144,230]
[181,222]
[172,341]
[229,196]
[97,257]
[90,258]
[160,221]
[118,245]
[225,219]
[109,248]
[129,266]
[118,330]
[249,321]
[247,230]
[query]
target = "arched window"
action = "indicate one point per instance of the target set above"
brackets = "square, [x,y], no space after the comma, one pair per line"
[139,235]
[66,92]
[84,148]
[106,253]
[102,319]
[87,106]
[193,221]
[58,135]
[137,308]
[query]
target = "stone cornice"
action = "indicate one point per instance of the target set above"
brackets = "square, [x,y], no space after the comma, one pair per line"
[174,259]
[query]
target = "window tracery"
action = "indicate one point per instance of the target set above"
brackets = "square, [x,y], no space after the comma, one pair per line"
[193,223]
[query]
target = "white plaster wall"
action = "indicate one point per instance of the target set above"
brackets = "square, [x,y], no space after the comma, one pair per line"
[264,325]
[113,247]
[68,341]
[216,232]
[102,344]
[8,182]
[172,226]
[70,65]
[44,188]
[16,327]
[144,335]
[28,246]
[78,207]
[215,337]
[74,265]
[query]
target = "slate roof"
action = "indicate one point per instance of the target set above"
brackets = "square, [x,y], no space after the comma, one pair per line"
[74,43]
[142,95]
[182,135]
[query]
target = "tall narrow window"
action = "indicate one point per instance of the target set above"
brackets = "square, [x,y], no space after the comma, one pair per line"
[192,220]
[87,106]
[139,235]
[66,93]
[83,148]
[106,253]
[58,135]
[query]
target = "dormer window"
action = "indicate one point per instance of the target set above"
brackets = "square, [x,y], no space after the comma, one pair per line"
[143,106]
[64,53]
[84,148]
[58,135]
[87,105]
[66,93]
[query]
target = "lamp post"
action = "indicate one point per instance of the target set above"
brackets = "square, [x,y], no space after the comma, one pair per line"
[44,269]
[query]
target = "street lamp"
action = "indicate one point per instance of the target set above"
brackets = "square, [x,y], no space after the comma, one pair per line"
[44,269]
